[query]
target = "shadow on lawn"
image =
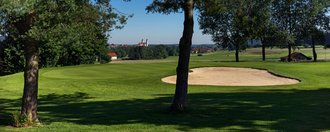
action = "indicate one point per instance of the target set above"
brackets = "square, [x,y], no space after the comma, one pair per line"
[274,110]
[5,106]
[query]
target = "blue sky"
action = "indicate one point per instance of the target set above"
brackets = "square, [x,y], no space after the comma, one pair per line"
[158,28]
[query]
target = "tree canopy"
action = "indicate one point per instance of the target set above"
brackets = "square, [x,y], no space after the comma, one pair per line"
[275,22]
[68,32]
[232,23]
[54,32]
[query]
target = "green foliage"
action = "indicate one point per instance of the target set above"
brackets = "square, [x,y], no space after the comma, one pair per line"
[160,52]
[165,6]
[230,26]
[276,22]
[172,50]
[274,37]
[11,57]
[152,52]
[104,59]
[300,19]
[67,32]
[314,23]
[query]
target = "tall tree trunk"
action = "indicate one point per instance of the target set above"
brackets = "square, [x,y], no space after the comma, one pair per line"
[290,32]
[314,51]
[29,100]
[179,102]
[289,49]
[263,46]
[30,93]
[237,53]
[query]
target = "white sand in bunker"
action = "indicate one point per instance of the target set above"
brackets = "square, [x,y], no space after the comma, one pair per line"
[229,76]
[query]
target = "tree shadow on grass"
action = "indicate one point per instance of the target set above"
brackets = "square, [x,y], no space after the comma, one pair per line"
[5,106]
[252,111]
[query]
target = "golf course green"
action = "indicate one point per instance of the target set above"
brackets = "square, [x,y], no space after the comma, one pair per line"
[130,96]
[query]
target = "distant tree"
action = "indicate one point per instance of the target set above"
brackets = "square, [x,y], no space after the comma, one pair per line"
[259,22]
[313,25]
[150,52]
[35,23]
[179,102]
[287,15]
[160,52]
[172,50]
[229,22]
[274,37]
[134,53]
[121,51]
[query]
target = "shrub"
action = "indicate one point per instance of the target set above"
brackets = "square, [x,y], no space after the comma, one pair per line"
[18,120]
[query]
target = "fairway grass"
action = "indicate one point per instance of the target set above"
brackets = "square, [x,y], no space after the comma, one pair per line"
[131,97]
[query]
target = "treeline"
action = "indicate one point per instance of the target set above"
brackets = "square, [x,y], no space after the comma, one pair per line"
[276,23]
[50,54]
[150,52]
[12,56]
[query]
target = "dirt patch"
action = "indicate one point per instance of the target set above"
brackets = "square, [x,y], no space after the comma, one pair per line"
[229,76]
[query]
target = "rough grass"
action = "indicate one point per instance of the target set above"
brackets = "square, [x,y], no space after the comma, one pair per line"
[131,97]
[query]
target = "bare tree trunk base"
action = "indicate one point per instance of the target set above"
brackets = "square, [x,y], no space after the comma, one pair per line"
[314,51]
[289,56]
[178,108]
[263,52]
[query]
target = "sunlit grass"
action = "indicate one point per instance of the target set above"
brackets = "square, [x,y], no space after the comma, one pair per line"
[131,97]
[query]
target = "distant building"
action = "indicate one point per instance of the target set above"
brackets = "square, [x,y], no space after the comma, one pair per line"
[327,39]
[143,43]
[201,50]
[112,56]
[113,46]
[254,43]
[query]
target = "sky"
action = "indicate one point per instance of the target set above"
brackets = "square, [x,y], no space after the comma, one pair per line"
[157,28]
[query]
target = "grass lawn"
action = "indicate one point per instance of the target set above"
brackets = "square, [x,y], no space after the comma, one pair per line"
[131,97]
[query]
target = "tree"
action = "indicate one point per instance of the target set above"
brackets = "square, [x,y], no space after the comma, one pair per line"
[11,57]
[287,16]
[274,37]
[31,23]
[179,102]
[160,52]
[228,22]
[313,25]
[259,23]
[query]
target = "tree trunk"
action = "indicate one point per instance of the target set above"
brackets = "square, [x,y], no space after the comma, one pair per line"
[289,56]
[263,52]
[314,51]
[179,102]
[29,100]
[289,19]
[237,53]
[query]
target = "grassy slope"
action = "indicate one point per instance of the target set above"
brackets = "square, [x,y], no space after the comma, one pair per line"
[131,97]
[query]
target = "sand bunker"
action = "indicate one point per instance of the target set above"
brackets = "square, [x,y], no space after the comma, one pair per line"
[229,76]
